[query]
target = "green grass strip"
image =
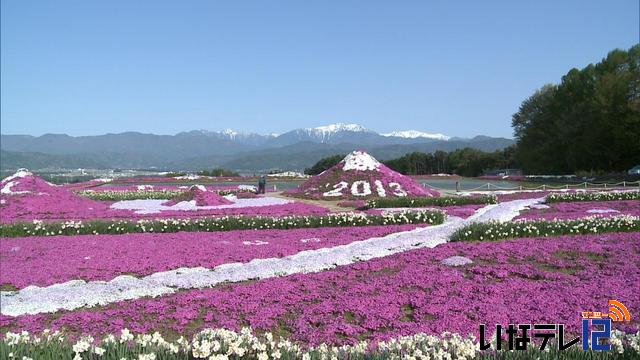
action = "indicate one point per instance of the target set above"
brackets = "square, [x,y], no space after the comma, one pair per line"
[494,230]
[412,202]
[226,223]
[122,195]
[593,196]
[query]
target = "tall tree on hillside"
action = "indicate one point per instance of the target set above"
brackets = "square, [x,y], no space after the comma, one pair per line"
[589,122]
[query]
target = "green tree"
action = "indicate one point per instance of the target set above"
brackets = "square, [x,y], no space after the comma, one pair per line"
[323,164]
[590,122]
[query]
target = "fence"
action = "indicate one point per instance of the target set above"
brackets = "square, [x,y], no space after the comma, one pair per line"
[582,185]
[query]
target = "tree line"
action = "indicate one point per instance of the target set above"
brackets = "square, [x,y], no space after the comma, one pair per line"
[589,123]
[465,162]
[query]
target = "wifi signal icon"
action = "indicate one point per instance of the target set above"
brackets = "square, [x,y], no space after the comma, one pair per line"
[618,312]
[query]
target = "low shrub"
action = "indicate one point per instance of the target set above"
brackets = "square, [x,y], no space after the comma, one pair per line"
[226,223]
[400,202]
[494,230]
[593,196]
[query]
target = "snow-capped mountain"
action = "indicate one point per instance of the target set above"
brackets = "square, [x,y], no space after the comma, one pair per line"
[327,134]
[236,150]
[231,135]
[415,134]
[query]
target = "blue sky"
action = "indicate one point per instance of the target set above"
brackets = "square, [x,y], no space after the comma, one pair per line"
[456,67]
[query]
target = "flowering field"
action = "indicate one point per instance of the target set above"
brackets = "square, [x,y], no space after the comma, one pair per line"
[207,274]
[26,197]
[574,210]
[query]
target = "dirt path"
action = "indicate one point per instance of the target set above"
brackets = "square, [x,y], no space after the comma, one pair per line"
[332,206]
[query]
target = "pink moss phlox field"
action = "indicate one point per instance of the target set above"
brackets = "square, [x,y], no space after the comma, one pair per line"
[532,280]
[318,185]
[45,261]
[580,209]
[32,195]
[67,212]
[31,198]
[128,187]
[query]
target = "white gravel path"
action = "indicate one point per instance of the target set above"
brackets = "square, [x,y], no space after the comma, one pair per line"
[78,293]
[155,206]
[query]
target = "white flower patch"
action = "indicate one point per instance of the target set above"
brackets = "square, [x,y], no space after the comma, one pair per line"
[188,177]
[145,187]
[355,188]
[397,189]
[21,173]
[337,189]
[456,261]
[255,242]
[155,206]
[360,161]
[78,293]
[310,240]
[380,189]
[602,211]
[6,189]
[539,206]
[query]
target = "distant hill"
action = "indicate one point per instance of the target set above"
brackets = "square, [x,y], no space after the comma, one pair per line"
[199,149]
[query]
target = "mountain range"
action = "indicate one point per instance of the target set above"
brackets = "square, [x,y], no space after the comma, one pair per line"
[201,149]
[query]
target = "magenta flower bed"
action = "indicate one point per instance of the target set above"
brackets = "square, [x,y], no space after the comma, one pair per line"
[32,198]
[579,209]
[127,187]
[79,210]
[49,260]
[463,211]
[534,280]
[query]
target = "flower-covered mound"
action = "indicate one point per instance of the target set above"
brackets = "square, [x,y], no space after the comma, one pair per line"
[26,196]
[530,280]
[46,261]
[359,176]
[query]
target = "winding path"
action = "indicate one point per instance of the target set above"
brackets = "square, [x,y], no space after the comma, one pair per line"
[79,293]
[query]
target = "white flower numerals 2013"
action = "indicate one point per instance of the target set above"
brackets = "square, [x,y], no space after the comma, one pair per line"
[363,188]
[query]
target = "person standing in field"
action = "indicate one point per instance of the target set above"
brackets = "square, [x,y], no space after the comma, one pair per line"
[262,184]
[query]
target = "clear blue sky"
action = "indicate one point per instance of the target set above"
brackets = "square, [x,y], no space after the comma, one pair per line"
[457,67]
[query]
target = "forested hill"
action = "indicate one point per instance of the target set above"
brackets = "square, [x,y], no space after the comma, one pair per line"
[589,122]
